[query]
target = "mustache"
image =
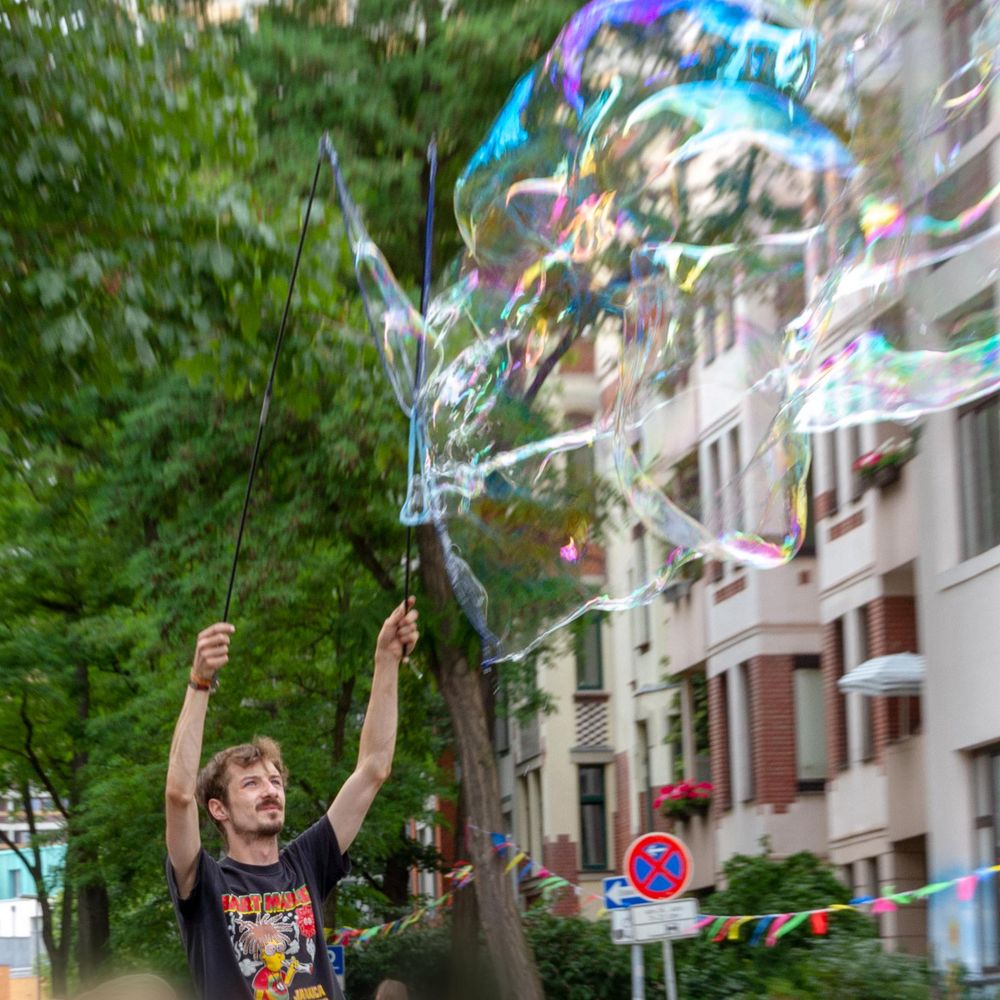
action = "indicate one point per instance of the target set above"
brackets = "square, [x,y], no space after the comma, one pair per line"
[268,803]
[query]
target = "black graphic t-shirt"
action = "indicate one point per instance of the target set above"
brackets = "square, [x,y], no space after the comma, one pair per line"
[257,930]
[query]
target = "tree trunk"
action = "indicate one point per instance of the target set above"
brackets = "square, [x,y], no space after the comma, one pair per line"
[465,957]
[460,685]
[93,931]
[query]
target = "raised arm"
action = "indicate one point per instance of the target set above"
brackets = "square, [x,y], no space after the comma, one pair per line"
[183,834]
[378,733]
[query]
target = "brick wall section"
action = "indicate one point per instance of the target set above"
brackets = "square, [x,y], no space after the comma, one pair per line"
[560,856]
[580,358]
[718,745]
[841,528]
[772,706]
[825,504]
[621,825]
[660,823]
[832,667]
[730,590]
[892,628]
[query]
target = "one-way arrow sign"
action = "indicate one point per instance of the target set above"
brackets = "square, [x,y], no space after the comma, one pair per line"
[619,895]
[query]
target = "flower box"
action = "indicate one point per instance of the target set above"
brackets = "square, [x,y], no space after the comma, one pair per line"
[684,799]
[882,466]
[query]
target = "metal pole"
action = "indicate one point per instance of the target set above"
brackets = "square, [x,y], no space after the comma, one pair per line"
[669,976]
[638,974]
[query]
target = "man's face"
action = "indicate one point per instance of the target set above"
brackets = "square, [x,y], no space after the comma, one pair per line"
[255,805]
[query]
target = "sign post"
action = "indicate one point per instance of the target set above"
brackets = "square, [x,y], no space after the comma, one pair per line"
[669,976]
[645,905]
[638,974]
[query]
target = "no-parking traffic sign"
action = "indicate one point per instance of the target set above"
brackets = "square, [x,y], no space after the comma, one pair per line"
[658,866]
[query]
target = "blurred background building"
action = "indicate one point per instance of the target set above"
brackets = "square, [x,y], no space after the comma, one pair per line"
[845,703]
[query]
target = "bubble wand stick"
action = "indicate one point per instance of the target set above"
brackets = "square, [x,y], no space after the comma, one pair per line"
[425,294]
[266,404]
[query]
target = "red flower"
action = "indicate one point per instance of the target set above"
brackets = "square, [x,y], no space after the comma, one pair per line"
[307,921]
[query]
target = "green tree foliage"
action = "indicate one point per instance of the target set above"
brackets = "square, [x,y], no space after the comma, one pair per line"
[116,229]
[141,294]
[383,81]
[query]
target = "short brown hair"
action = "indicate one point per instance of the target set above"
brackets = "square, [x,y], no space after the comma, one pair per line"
[391,989]
[213,779]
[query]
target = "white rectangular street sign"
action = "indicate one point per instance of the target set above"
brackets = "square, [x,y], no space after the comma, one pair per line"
[655,922]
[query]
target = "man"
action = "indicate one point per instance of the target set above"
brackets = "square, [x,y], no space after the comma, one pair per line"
[252,923]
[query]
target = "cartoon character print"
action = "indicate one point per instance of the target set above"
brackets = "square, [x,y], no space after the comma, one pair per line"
[267,941]
[273,948]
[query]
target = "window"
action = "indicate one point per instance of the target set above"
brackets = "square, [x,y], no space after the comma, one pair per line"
[810,725]
[723,784]
[675,744]
[867,742]
[641,615]
[840,704]
[954,194]
[986,779]
[979,458]
[961,20]
[501,733]
[15,883]
[593,825]
[832,471]
[730,319]
[746,677]
[644,770]
[855,450]
[708,323]
[714,488]
[736,482]
[589,664]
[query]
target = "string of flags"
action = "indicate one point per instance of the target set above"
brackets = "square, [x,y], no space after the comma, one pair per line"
[765,928]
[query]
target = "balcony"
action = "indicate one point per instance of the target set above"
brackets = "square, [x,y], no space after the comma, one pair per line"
[872,535]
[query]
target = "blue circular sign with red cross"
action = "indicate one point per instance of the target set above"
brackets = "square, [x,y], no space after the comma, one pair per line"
[658,866]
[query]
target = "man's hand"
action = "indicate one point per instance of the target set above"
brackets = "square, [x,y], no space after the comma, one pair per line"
[399,634]
[211,653]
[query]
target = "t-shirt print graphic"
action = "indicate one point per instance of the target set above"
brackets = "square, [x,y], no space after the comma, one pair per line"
[274,936]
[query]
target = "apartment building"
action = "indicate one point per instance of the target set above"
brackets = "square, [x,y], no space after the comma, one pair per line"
[843,703]
[21,947]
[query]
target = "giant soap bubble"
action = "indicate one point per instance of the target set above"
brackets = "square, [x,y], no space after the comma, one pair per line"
[658,192]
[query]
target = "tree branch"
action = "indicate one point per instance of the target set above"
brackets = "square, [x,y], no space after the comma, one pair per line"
[32,757]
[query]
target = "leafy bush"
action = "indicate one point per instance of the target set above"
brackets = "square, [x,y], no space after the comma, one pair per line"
[848,962]
[577,960]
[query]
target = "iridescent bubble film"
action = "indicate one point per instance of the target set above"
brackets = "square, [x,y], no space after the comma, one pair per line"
[668,228]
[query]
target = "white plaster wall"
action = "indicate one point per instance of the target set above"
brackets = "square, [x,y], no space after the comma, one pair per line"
[802,828]
[859,801]
[16,916]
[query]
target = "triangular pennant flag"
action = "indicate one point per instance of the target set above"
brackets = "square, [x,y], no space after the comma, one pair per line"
[724,929]
[966,887]
[796,921]
[819,920]
[759,930]
[500,842]
[929,890]
[883,905]
[514,862]
[772,935]
[735,928]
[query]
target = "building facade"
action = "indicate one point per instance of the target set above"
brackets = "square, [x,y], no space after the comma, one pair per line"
[785,687]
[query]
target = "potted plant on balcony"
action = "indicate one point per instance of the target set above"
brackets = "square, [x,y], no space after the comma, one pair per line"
[684,799]
[881,467]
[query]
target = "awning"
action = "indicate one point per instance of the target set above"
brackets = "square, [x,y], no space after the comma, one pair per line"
[898,674]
